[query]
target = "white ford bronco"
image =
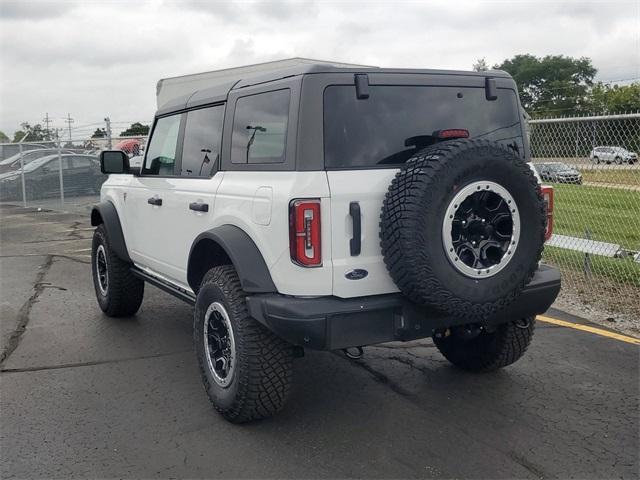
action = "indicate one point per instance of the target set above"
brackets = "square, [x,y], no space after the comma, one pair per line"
[302,204]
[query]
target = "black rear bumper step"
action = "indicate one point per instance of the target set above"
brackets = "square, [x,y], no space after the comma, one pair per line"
[329,323]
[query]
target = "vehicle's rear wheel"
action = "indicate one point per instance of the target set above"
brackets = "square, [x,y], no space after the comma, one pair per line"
[479,349]
[118,291]
[245,368]
[596,160]
[618,161]
[462,227]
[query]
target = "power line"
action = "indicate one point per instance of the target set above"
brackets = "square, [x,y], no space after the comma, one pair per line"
[47,121]
[69,121]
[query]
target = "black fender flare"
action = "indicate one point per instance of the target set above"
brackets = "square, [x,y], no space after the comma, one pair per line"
[106,213]
[243,254]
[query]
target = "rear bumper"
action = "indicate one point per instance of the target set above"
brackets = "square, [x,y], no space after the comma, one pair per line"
[329,323]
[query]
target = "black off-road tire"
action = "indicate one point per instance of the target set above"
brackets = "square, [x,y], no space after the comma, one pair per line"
[261,381]
[124,290]
[412,219]
[490,350]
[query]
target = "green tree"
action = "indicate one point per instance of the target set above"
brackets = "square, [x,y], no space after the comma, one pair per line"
[606,99]
[3,137]
[480,65]
[35,133]
[552,85]
[99,133]
[136,129]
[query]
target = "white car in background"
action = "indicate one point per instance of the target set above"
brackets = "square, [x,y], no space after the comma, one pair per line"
[618,155]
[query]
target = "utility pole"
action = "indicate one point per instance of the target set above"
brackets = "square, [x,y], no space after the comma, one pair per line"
[69,120]
[47,121]
[107,120]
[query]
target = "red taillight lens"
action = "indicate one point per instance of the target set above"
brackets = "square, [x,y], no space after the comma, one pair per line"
[450,133]
[304,230]
[547,194]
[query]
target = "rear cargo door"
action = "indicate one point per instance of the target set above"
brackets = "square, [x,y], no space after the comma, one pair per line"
[356,200]
[371,131]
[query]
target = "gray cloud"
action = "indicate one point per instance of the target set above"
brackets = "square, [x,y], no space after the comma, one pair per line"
[97,59]
[34,9]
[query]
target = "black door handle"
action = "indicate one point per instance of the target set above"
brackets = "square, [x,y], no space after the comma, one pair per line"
[155,201]
[355,243]
[199,206]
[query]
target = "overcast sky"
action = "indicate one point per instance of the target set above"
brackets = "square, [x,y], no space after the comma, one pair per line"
[94,59]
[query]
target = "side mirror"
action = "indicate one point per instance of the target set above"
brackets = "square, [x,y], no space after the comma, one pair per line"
[114,161]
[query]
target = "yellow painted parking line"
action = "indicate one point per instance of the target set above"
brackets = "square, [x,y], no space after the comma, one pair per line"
[590,329]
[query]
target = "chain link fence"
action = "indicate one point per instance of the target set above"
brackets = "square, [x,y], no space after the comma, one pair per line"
[59,174]
[592,162]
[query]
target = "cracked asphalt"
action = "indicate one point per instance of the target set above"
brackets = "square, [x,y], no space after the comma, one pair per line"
[85,396]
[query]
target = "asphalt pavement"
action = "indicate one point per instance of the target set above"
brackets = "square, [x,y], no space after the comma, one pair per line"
[83,395]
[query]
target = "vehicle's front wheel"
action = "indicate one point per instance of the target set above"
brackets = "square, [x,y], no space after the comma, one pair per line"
[245,368]
[479,349]
[118,291]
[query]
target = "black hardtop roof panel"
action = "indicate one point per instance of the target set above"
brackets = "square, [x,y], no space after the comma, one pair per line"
[214,86]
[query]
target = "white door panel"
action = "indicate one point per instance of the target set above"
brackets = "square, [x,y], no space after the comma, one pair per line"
[164,234]
[149,236]
[368,188]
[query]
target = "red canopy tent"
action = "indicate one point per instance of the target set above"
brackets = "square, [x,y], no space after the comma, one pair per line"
[130,146]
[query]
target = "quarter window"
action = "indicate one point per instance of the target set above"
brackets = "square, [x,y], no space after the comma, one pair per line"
[161,154]
[201,146]
[260,128]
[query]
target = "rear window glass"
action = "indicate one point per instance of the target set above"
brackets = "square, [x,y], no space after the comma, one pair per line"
[396,121]
[202,138]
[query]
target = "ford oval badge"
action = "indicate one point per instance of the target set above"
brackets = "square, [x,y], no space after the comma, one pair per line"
[357,274]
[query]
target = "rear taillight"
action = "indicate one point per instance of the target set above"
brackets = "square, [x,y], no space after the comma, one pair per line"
[304,232]
[547,194]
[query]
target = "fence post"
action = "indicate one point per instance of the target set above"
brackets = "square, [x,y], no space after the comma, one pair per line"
[60,173]
[24,193]
[107,120]
[587,258]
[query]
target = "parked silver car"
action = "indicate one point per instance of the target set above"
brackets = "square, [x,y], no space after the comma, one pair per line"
[618,155]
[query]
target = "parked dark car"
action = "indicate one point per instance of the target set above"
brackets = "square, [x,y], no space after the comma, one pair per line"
[80,174]
[557,172]
[13,162]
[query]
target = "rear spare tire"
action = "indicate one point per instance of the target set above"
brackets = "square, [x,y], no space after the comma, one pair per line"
[462,227]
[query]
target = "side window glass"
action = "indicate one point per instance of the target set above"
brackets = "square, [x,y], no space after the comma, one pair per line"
[202,138]
[81,162]
[161,154]
[51,165]
[260,128]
